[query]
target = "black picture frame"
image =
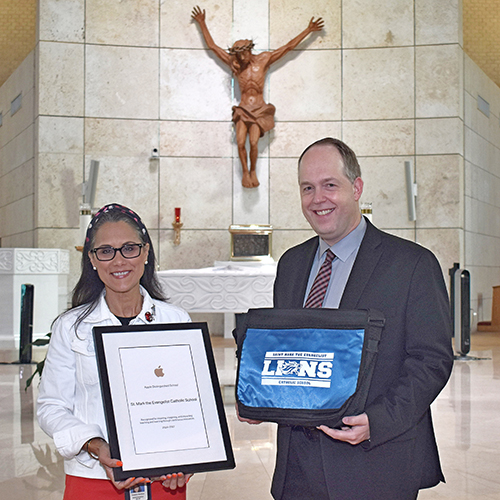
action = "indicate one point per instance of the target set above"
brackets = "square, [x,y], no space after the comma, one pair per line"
[116,347]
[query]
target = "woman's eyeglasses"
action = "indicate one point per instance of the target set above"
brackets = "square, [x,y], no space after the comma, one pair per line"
[129,251]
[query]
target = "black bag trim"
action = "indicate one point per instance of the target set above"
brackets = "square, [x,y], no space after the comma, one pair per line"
[371,320]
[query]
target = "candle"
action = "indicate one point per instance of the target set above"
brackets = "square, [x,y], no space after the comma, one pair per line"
[177,214]
[85,218]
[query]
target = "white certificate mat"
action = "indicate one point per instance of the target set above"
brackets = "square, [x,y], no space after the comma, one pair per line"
[162,399]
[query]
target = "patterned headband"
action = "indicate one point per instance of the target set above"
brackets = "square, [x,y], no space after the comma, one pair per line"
[115,207]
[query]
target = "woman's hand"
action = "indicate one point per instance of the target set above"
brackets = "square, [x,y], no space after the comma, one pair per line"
[99,448]
[174,481]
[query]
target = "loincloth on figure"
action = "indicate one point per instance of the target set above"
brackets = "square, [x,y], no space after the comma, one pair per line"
[262,115]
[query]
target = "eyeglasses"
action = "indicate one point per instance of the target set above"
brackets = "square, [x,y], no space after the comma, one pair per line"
[128,251]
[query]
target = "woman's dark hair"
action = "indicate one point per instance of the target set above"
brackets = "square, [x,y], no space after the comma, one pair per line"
[89,287]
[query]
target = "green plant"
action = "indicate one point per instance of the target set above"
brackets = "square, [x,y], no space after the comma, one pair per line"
[39,366]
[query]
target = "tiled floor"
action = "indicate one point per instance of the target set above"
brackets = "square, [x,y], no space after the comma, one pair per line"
[466,414]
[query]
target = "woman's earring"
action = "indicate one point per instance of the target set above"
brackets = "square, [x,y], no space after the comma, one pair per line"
[146,263]
[94,268]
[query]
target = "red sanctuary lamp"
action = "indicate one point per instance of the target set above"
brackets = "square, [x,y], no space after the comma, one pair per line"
[177,224]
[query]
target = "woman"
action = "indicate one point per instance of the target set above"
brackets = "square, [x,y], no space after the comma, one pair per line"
[118,285]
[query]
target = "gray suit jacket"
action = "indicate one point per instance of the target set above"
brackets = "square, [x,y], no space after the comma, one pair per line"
[404,281]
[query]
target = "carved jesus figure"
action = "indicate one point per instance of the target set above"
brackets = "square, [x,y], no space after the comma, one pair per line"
[253,117]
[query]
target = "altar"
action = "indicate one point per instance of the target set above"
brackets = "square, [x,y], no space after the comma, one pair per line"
[228,287]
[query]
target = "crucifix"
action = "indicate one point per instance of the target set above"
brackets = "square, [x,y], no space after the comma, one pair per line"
[253,117]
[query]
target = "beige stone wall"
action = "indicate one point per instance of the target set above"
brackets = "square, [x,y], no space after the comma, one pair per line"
[482,185]
[17,158]
[117,79]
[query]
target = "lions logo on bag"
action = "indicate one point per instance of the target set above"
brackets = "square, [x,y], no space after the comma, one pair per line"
[312,369]
[305,366]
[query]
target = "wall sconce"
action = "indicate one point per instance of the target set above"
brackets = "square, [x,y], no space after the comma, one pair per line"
[177,224]
[411,191]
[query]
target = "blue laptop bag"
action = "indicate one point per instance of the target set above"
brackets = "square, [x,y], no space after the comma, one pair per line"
[305,366]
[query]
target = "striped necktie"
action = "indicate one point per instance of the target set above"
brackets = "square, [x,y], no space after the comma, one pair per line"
[318,289]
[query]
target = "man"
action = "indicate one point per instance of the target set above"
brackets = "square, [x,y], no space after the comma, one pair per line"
[388,452]
[253,117]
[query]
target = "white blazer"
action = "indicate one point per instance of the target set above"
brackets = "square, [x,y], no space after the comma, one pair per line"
[69,406]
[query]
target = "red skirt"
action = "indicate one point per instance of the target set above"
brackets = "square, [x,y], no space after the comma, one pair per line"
[82,488]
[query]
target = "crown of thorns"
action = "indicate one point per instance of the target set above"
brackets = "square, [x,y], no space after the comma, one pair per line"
[236,50]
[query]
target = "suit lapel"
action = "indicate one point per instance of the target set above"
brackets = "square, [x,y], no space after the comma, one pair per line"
[303,271]
[368,256]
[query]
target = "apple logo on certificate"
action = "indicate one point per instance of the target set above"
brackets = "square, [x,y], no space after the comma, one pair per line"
[159,371]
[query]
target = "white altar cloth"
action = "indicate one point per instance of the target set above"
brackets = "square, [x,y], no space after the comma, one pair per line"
[227,288]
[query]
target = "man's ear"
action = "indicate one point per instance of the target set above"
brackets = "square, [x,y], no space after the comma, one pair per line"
[358,188]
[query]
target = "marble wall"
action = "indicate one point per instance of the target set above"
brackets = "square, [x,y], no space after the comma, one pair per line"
[481,186]
[17,157]
[117,79]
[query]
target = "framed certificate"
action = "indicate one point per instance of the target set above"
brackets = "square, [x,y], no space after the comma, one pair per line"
[162,399]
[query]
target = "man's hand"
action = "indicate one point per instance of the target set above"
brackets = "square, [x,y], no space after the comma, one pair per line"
[315,25]
[355,431]
[198,15]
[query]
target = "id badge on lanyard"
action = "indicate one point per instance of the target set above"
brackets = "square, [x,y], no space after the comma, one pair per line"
[139,492]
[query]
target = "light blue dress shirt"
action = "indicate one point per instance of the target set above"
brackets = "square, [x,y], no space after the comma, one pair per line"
[345,254]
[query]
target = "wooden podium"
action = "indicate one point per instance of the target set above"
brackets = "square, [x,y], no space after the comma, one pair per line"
[494,324]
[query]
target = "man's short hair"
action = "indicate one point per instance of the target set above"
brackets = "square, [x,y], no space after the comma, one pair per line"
[352,169]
